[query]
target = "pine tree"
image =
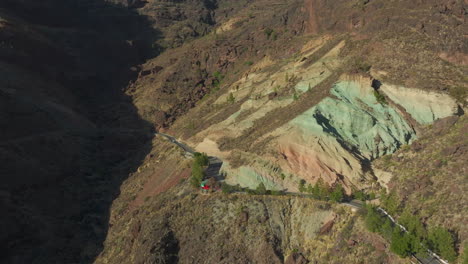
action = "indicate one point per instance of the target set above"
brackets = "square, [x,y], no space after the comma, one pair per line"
[442,242]
[231,99]
[337,195]
[401,243]
[302,187]
[261,189]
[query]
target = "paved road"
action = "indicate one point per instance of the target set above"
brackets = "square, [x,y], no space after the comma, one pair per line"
[186,148]
[215,166]
[215,163]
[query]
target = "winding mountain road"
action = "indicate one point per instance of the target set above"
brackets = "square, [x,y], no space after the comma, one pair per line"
[215,166]
[186,148]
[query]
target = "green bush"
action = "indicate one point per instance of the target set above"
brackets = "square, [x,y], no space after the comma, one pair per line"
[413,224]
[249,63]
[406,244]
[379,97]
[386,230]
[201,158]
[465,254]
[373,219]
[302,187]
[197,174]
[459,93]
[323,190]
[359,195]
[401,243]
[231,99]
[362,196]
[274,36]
[268,32]
[416,240]
[390,203]
[358,65]
[261,189]
[337,195]
[218,77]
[442,242]
[277,192]
[295,96]
[226,188]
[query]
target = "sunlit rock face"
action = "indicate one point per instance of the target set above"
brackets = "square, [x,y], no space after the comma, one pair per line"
[359,122]
[336,139]
[425,107]
[332,138]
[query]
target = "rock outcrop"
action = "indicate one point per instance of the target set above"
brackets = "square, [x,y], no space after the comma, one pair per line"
[425,107]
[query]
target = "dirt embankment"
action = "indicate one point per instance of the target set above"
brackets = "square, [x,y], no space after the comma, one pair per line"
[183,226]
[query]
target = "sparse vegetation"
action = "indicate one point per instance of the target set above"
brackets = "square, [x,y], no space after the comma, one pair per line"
[249,63]
[465,254]
[414,242]
[337,195]
[218,78]
[201,158]
[295,96]
[362,196]
[274,36]
[226,188]
[198,173]
[443,243]
[358,65]
[413,224]
[459,93]
[380,97]
[302,185]
[390,202]
[276,192]
[361,4]
[268,32]
[321,190]
[231,99]
[261,189]
[400,243]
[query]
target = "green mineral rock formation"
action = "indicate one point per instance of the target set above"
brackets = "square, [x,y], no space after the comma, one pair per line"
[357,121]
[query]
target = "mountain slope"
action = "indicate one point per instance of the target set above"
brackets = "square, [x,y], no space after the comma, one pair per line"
[284,92]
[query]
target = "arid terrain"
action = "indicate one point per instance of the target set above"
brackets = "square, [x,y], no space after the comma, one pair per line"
[305,105]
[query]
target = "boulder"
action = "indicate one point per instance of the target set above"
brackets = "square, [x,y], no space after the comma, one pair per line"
[442,125]
[416,146]
[296,258]
[352,242]
[272,95]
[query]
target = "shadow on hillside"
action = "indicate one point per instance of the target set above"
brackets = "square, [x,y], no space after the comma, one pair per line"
[55,208]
